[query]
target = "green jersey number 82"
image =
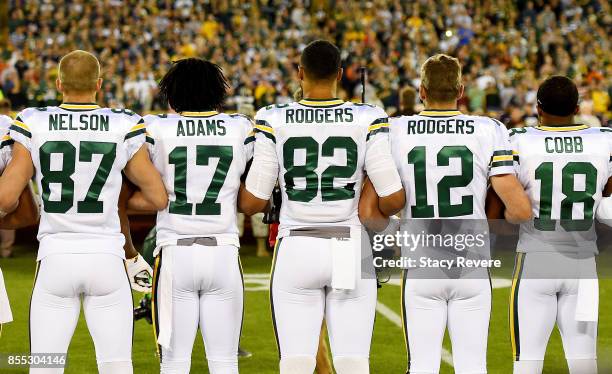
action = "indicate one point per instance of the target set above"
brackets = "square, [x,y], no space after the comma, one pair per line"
[307,171]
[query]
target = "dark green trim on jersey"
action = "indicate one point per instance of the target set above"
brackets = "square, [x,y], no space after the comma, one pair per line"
[404,323]
[517,130]
[6,143]
[374,132]
[243,297]
[275,258]
[150,140]
[249,139]
[264,127]
[498,123]
[135,133]
[514,304]
[20,130]
[267,135]
[30,307]
[496,164]
[516,159]
[502,153]
[380,120]
[155,302]
[127,276]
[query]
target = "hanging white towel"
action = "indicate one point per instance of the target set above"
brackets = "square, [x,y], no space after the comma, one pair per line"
[587,303]
[165,298]
[5,308]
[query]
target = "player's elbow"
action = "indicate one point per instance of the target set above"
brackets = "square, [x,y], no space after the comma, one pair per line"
[8,202]
[161,201]
[392,204]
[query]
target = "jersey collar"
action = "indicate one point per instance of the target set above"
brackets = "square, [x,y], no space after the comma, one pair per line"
[563,128]
[199,114]
[79,106]
[439,113]
[321,102]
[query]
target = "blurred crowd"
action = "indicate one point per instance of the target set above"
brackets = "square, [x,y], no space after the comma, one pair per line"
[506,48]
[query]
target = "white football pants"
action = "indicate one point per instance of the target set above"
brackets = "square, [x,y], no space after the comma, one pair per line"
[301,296]
[100,282]
[537,304]
[207,291]
[432,305]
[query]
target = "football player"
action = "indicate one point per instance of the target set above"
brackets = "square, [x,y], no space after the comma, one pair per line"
[565,168]
[446,159]
[25,214]
[320,149]
[76,153]
[201,154]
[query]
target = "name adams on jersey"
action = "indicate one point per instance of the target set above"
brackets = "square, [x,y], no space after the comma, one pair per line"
[79,151]
[201,157]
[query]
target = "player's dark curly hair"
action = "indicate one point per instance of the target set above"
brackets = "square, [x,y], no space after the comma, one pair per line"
[194,85]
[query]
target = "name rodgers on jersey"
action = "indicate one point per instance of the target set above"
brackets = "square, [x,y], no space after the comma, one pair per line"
[440,126]
[319,115]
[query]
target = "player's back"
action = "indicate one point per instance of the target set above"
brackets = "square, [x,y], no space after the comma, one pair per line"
[321,147]
[445,159]
[564,170]
[79,151]
[201,157]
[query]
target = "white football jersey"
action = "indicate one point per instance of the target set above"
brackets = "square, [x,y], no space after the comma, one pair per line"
[321,147]
[564,170]
[79,151]
[201,157]
[5,141]
[445,159]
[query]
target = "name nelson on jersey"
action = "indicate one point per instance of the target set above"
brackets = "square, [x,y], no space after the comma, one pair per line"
[66,121]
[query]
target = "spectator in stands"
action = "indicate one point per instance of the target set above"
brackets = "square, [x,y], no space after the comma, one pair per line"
[506,47]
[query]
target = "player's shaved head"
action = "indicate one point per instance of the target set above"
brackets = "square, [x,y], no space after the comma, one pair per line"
[441,78]
[321,60]
[79,72]
[194,85]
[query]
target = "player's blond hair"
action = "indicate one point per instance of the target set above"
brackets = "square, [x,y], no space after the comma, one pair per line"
[441,77]
[79,71]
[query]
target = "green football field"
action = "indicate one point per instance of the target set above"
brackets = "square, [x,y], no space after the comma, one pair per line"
[388,353]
